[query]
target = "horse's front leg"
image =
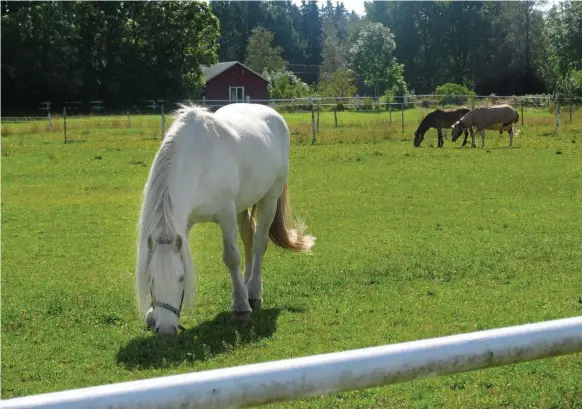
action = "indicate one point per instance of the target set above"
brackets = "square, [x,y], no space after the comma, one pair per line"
[482,132]
[466,136]
[231,257]
[440,132]
[266,209]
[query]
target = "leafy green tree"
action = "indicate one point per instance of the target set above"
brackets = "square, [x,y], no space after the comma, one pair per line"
[312,36]
[261,55]
[339,84]
[286,85]
[451,93]
[373,58]
[564,33]
[118,52]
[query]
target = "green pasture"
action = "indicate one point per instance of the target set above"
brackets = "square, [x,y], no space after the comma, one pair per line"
[411,243]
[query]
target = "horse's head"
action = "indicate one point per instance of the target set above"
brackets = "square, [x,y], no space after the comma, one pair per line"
[457,130]
[418,137]
[167,286]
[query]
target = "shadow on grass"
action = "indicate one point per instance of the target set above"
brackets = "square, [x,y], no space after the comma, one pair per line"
[210,338]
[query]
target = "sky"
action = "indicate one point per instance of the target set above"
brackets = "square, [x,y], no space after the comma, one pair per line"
[358,5]
[355,5]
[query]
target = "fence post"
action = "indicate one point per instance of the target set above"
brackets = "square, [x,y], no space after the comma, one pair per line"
[557,116]
[313,139]
[318,112]
[335,115]
[204,100]
[521,112]
[402,107]
[163,122]
[128,119]
[50,118]
[65,122]
[390,111]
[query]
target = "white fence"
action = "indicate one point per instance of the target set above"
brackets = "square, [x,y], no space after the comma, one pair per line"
[318,375]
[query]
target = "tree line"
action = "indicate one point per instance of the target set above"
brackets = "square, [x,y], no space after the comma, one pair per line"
[125,53]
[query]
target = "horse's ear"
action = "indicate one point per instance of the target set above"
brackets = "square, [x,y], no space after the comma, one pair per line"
[179,242]
[150,242]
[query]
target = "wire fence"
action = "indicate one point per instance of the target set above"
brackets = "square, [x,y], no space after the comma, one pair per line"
[310,119]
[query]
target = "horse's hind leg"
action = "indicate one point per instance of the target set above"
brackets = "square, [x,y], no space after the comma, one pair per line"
[266,210]
[511,133]
[482,132]
[440,132]
[246,230]
[227,220]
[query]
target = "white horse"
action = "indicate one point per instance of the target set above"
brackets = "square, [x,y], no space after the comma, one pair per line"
[214,167]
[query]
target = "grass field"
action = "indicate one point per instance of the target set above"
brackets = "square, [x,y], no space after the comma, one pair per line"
[411,243]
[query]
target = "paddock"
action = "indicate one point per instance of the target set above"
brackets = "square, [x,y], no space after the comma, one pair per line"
[413,244]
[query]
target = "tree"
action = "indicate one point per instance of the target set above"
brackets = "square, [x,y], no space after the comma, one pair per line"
[118,52]
[261,55]
[564,32]
[340,84]
[335,40]
[285,85]
[373,58]
[312,35]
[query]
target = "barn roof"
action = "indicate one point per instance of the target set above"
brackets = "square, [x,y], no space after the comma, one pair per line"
[217,69]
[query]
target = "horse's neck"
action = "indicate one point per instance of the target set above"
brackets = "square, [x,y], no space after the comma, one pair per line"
[425,125]
[468,119]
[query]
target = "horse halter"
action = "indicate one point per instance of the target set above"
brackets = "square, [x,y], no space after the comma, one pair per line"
[156,303]
[169,307]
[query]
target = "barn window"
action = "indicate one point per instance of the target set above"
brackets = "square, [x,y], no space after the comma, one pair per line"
[237,94]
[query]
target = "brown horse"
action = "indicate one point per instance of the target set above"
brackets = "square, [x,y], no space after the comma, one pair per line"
[440,119]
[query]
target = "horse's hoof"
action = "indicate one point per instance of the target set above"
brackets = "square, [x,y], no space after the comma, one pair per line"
[241,316]
[255,304]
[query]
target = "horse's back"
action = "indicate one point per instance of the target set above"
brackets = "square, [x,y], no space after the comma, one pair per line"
[259,151]
[255,120]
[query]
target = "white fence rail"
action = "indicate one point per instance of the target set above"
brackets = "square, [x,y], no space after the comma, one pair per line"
[324,374]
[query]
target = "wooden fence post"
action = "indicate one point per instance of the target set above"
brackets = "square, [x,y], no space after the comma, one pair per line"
[318,112]
[65,122]
[557,117]
[402,108]
[390,111]
[313,138]
[335,115]
[521,112]
[163,122]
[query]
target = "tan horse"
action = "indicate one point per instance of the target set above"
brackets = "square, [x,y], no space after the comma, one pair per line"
[497,118]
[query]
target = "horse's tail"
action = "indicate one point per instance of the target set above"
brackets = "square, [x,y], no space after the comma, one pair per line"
[281,231]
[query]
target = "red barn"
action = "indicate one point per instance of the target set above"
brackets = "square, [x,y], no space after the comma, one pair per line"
[235,82]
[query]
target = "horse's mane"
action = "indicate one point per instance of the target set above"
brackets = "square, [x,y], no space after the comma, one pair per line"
[157,208]
[186,109]
[157,211]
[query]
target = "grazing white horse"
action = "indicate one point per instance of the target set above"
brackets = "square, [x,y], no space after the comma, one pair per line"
[214,167]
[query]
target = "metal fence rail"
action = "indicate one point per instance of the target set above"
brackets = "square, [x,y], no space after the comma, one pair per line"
[318,375]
